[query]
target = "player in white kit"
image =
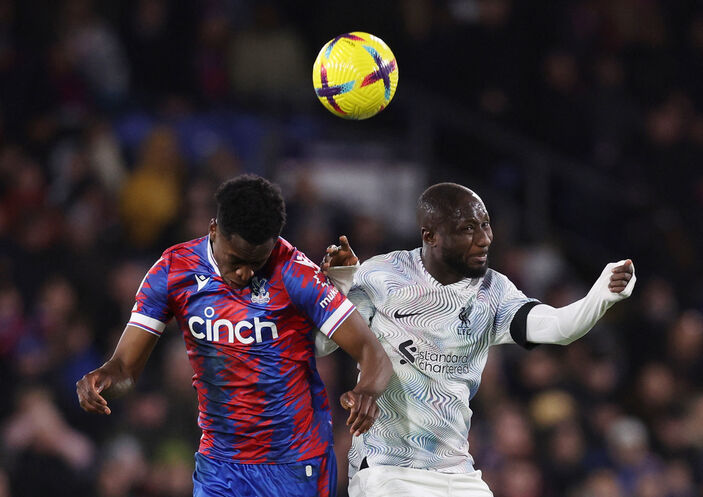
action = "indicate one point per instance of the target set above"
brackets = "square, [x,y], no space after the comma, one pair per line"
[437,310]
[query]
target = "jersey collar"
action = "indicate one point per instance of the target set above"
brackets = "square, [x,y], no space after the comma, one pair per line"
[462,283]
[211,257]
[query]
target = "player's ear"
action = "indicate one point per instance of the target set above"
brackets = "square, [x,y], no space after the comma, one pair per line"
[429,236]
[213,228]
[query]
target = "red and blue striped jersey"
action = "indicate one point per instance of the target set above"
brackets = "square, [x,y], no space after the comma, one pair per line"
[260,397]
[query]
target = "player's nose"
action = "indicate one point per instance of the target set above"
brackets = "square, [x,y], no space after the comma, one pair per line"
[483,237]
[244,275]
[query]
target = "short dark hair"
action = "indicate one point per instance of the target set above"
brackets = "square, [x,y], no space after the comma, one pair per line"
[439,202]
[251,207]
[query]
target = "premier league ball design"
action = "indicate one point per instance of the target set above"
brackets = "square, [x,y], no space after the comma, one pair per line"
[355,75]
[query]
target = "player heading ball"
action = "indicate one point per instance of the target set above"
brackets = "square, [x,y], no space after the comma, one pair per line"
[247,304]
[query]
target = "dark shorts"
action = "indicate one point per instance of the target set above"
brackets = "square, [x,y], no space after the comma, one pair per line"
[309,478]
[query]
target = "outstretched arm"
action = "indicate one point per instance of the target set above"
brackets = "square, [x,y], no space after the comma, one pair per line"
[357,340]
[118,375]
[546,324]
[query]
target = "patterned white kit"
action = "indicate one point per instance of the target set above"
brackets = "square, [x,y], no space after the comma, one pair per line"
[437,337]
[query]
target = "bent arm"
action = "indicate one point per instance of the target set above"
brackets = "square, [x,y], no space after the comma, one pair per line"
[546,324]
[357,340]
[119,374]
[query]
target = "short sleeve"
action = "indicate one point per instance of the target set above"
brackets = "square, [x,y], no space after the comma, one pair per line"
[370,290]
[313,294]
[151,311]
[511,313]
[363,303]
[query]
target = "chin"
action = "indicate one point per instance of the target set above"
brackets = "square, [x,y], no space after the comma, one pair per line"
[473,270]
[476,271]
[466,269]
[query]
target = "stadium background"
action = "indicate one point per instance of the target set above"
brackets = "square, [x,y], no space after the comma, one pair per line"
[578,121]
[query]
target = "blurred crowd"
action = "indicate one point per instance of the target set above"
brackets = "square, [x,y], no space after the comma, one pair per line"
[118,119]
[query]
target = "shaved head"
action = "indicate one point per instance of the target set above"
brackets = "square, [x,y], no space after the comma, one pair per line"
[443,203]
[456,232]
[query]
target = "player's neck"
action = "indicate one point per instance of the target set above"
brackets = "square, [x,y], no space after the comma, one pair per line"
[444,274]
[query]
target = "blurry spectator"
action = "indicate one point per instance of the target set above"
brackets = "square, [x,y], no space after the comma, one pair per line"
[315,222]
[685,348]
[37,436]
[562,104]
[75,355]
[199,208]
[656,392]
[566,457]
[267,61]
[628,445]
[693,427]
[172,470]
[678,480]
[646,329]
[368,235]
[614,114]
[13,323]
[105,156]
[602,483]
[177,375]
[151,197]
[539,370]
[512,433]
[552,408]
[520,478]
[159,36]
[223,164]
[4,484]
[650,485]
[123,468]
[97,52]
[25,187]
[211,56]
[540,268]
[38,350]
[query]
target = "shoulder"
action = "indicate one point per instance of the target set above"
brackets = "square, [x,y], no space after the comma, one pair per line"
[393,267]
[389,262]
[182,260]
[186,249]
[290,262]
[493,281]
[497,286]
[284,248]
[284,252]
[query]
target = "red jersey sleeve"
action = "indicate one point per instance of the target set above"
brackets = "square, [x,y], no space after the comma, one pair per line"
[313,294]
[151,311]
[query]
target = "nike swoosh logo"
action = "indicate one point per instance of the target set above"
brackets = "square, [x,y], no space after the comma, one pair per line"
[202,281]
[398,315]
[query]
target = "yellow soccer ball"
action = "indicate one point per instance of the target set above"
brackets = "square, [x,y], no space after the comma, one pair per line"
[355,75]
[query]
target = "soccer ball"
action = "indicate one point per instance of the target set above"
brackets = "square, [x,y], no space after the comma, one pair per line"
[355,75]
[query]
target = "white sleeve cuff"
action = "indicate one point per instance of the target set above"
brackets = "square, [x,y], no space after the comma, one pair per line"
[342,277]
[337,318]
[153,326]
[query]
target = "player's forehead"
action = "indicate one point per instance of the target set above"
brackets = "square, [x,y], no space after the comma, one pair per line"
[236,247]
[468,208]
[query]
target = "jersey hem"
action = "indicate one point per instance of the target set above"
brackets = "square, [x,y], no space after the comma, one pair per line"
[308,455]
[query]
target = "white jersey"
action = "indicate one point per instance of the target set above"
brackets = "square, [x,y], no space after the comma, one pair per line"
[437,337]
